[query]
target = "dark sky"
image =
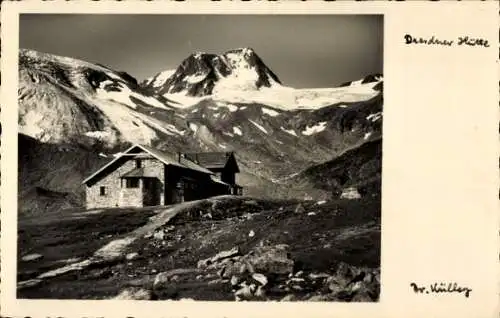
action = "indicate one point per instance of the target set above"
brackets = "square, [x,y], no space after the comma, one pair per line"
[303,50]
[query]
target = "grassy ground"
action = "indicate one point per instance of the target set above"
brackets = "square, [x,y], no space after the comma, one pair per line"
[319,235]
[72,235]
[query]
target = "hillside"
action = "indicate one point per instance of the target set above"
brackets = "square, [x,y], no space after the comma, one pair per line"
[359,167]
[50,175]
[224,248]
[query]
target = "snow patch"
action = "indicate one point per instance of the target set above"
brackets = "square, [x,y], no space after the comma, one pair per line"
[314,129]
[258,126]
[125,120]
[232,108]
[357,83]
[237,131]
[193,127]
[374,117]
[174,129]
[121,96]
[289,131]
[367,135]
[290,176]
[149,100]
[193,79]
[181,100]
[34,125]
[98,134]
[269,111]
[124,94]
[222,146]
[161,78]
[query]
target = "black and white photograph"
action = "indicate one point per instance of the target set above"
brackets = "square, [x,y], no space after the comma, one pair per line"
[202,157]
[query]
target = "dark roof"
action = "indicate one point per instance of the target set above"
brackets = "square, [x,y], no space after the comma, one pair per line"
[163,157]
[210,159]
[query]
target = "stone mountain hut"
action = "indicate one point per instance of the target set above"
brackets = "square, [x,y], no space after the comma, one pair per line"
[143,176]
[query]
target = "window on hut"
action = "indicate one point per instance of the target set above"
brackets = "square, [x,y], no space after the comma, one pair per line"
[132,183]
[138,163]
[102,191]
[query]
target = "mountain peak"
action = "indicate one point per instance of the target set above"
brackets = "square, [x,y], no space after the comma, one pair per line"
[243,50]
[202,73]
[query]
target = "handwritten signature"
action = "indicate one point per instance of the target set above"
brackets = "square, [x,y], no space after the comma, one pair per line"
[444,288]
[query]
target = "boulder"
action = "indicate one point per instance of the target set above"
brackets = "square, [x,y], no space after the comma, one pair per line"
[244,293]
[334,284]
[218,257]
[270,259]
[134,293]
[215,281]
[160,235]
[162,279]
[350,193]
[344,271]
[261,278]
[235,280]
[131,256]
[362,295]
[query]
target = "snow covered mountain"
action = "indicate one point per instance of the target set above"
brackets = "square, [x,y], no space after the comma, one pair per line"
[240,76]
[203,74]
[240,105]
[64,100]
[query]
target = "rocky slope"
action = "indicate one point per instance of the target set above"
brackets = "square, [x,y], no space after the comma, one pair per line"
[359,168]
[237,105]
[223,248]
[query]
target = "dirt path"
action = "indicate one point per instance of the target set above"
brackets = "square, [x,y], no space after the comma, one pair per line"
[114,250]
